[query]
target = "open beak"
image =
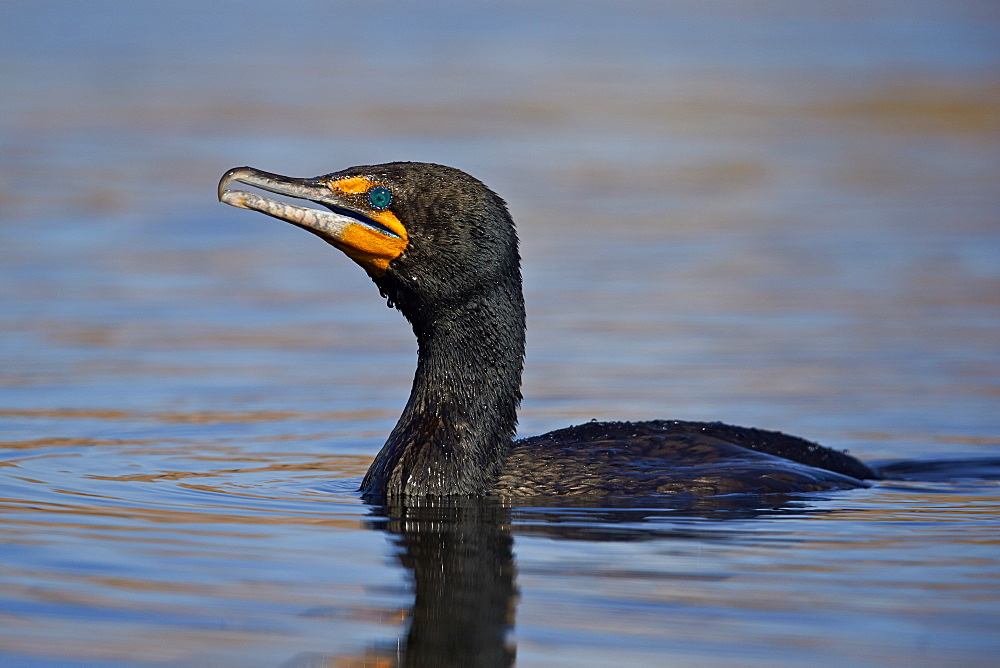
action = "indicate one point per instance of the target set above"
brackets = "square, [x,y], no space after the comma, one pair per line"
[370,242]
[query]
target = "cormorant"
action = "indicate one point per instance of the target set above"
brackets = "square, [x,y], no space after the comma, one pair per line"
[441,247]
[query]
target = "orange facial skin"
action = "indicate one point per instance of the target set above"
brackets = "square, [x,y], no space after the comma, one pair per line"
[367,246]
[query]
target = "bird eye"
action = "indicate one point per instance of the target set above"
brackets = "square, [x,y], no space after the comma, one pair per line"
[380,198]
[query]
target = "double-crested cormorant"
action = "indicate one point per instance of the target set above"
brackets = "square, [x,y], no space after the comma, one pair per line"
[441,247]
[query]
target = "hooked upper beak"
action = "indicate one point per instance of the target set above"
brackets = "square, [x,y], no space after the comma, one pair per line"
[369,242]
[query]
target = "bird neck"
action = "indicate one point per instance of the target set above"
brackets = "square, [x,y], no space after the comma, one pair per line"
[456,429]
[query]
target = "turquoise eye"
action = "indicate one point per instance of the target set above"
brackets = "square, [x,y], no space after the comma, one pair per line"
[380,198]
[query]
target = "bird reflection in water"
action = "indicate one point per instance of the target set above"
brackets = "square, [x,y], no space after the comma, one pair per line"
[459,554]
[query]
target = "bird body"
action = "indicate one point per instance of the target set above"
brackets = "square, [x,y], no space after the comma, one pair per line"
[442,248]
[672,457]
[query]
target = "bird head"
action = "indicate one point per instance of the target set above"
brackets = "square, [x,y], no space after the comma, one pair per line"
[427,234]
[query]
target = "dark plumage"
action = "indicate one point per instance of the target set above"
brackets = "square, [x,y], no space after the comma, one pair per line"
[443,250]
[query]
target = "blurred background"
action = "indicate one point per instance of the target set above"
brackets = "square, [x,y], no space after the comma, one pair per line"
[781,214]
[803,198]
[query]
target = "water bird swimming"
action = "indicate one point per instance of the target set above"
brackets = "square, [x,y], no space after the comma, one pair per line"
[442,248]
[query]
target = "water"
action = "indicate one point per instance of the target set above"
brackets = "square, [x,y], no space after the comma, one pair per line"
[782,215]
